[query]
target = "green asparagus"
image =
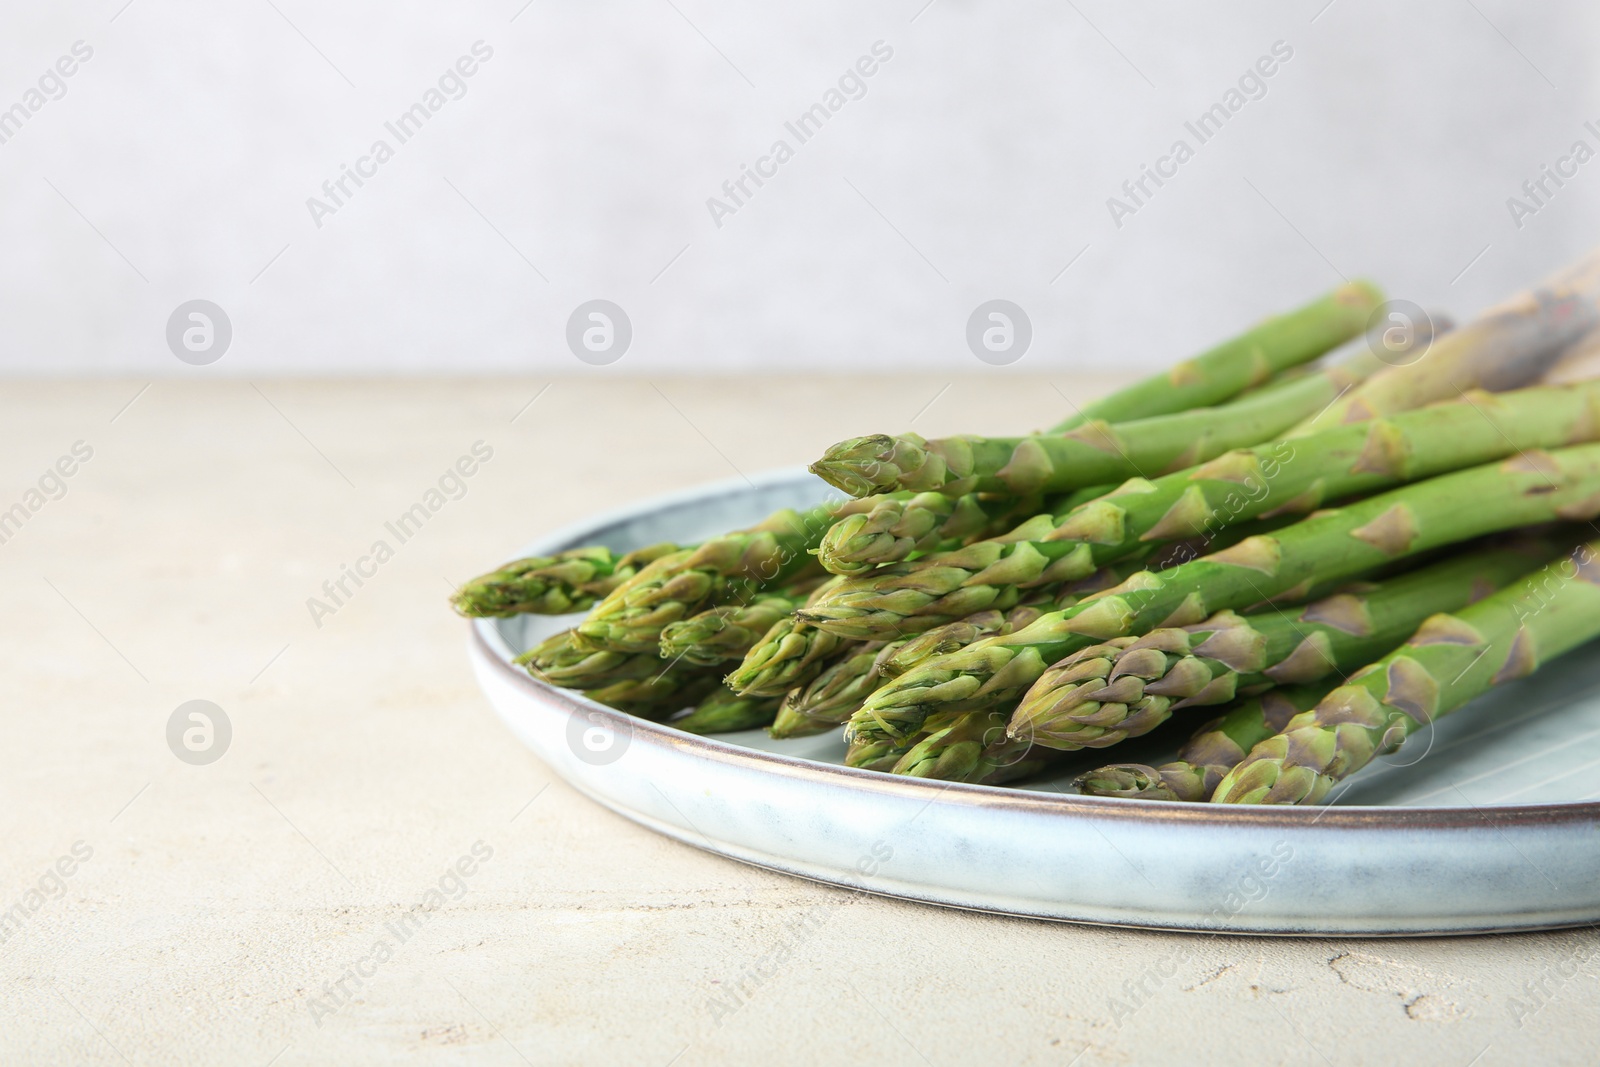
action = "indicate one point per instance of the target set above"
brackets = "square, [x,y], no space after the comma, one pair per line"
[723,712]
[942,640]
[791,653]
[971,747]
[910,598]
[1279,479]
[562,661]
[1507,347]
[1214,749]
[835,694]
[1531,488]
[659,695]
[1149,547]
[867,615]
[898,526]
[829,698]
[1280,342]
[1004,758]
[733,567]
[1451,659]
[896,529]
[881,752]
[1128,686]
[574,580]
[1093,453]
[726,631]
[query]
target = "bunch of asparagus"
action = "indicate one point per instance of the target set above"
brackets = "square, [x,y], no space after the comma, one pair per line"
[1324,544]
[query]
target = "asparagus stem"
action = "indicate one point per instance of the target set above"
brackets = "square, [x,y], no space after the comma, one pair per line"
[1451,659]
[1280,479]
[837,692]
[897,527]
[1533,487]
[1082,496]
[1280,342]
[640,683]
[727,631]
[724,712]
[792,653]
[1088,455]
[733,567]
[563,661]
[1509,346]
[1065,712]
[829,698]
[574,580]
[971,747]
[904,655]
[1128,686]
[911,598]
[658,695]
[1215,748]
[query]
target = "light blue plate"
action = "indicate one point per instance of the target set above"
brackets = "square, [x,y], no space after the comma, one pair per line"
[1488,821]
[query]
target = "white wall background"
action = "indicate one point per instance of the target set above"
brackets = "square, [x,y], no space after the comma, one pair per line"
[178,163]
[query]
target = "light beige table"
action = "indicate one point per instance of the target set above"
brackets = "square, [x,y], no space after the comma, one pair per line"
[223,904]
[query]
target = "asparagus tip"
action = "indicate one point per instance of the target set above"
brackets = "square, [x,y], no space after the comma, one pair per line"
[860,466]
[1131,780]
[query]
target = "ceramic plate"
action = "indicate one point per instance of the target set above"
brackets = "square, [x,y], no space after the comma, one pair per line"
[1489,821]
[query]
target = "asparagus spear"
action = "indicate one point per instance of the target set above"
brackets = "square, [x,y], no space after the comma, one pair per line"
[1093,453]
[835,694]
[829,698]
[957,746]
[568,581]
[733,567]
[562,661]
[1003,758]
[1299,650]
[658,695]
[636,682]
[971,747]
[723,712]
[1130,685]
[1533,487]
[1275,479]
[1230,368]
[897,526]
[893,658]
[1509,346]
[904,655]
[792,653]
[881,752]
[907,598]
[1451,659]
[1214,749]
[726,631]
[854,546]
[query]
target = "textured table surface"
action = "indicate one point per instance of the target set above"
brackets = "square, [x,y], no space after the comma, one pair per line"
[247,911]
